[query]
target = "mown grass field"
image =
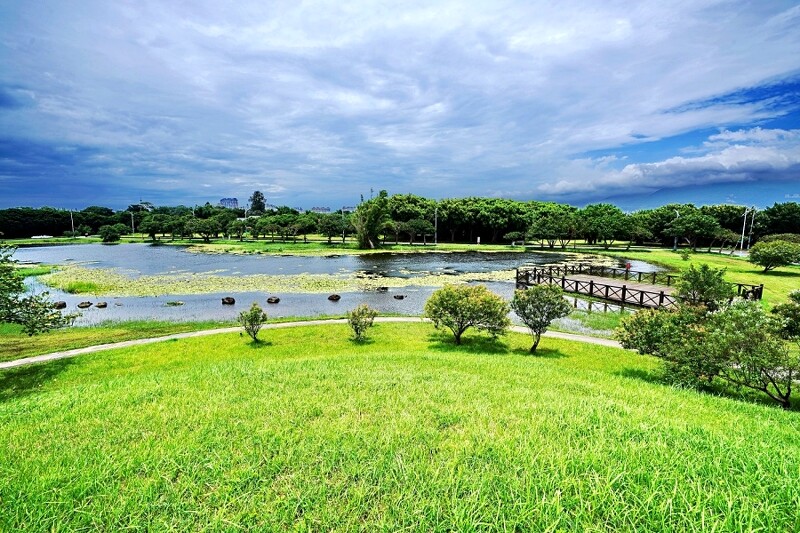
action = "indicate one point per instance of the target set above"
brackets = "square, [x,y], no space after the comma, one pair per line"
[312,431]
[14,344]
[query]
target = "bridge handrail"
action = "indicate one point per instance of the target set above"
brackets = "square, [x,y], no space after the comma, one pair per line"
[655,278]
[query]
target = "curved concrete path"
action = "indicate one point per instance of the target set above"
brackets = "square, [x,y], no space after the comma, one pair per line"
[203,333]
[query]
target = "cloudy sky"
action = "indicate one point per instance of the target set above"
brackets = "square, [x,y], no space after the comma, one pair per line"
[317,103]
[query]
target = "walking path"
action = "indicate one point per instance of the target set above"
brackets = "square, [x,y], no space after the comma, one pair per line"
[203,333]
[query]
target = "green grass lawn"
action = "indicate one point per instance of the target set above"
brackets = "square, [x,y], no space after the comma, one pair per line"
[14,344]
[312,431]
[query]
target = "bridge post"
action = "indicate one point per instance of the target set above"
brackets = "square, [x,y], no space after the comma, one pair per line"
[661,299]
[624,293]
[591,287]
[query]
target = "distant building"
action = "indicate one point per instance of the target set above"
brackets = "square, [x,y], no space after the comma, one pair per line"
[230,203]
[320,209]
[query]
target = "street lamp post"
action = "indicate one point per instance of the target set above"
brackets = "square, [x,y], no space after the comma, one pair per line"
[744,225]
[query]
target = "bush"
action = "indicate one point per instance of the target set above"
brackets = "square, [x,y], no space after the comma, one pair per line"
[111,233]
[704,286]
[537,307]
[34,312]
[746,340]
[788,237]
[774,254]
[460,307]
[252,320]
[361,319]
[739,344]
[675,336]
[644,331]
[788,316]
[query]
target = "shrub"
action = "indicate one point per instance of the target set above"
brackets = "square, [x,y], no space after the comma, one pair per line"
[788,316]
[739,344]
[361,319]
[111,233]
[34,312]
[774,254]
[788,237]
[537,307]
[675,336]
[644,331]
[460,307]
[704,286]
[745,338]
[252,320]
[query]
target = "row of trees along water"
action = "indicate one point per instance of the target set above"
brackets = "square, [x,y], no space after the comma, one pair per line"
[411,218]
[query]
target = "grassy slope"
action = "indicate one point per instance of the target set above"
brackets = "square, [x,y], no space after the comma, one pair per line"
[407,431]
[14,344]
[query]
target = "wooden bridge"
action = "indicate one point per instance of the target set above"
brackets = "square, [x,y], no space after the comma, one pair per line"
[624,286]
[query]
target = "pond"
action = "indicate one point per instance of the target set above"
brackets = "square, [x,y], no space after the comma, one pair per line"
[138,260]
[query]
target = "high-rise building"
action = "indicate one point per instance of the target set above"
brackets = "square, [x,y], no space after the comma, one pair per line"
[230,203]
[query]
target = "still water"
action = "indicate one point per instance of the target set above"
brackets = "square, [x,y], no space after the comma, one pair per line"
[141,259]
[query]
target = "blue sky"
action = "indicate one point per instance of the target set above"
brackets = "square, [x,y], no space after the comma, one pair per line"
[316,103]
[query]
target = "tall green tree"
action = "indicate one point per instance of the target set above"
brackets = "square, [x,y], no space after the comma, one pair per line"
[551,223]
[258,202]
[692,227]
[405,207]
[602,222]
[780,218]
[368,219]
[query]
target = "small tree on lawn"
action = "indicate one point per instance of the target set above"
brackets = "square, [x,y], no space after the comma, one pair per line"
[361,319]
[252,320]
[537,307]
[460,307]
[774,254]
[704,286]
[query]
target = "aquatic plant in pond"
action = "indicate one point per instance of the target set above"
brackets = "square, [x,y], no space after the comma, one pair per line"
[110,282]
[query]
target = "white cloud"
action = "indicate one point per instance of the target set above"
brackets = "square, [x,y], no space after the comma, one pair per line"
[736,156]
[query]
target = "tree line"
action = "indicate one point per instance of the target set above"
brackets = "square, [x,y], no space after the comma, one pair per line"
[411,218]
